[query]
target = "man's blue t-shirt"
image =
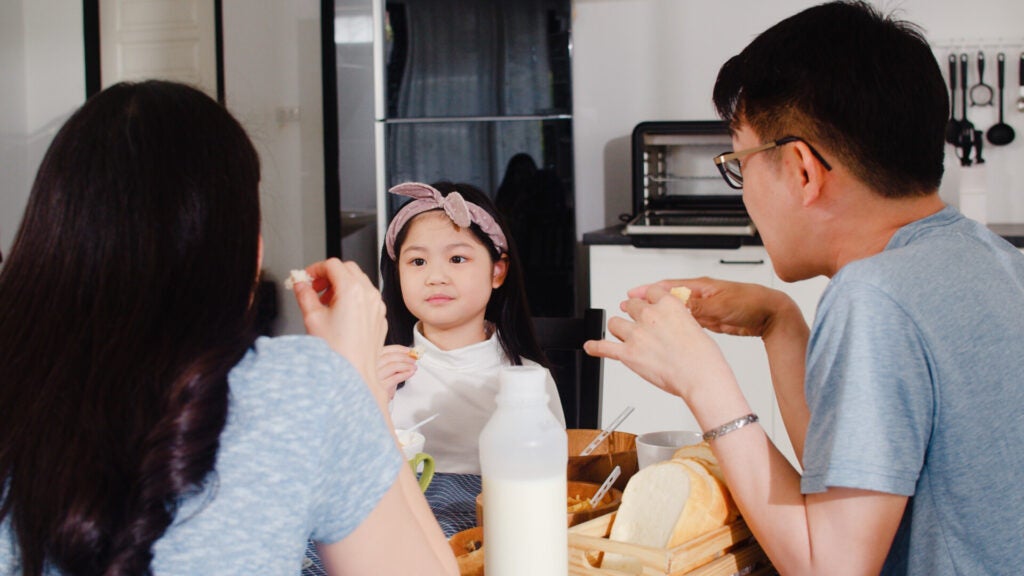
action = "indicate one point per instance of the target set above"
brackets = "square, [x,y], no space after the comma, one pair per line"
[305,453]
[915,383]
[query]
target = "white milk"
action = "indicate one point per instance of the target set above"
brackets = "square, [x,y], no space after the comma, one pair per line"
[525,527]
[523,456]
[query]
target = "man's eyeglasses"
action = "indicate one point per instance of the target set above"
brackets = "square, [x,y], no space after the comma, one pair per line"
[729,162]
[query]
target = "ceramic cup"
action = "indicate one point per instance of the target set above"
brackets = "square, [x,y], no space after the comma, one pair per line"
[422,463]
[659,446]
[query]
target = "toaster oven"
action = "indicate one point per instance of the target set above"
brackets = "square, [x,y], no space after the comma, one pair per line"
[679,197]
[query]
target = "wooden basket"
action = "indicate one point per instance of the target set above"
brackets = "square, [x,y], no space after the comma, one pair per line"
[619,449]
[726,551]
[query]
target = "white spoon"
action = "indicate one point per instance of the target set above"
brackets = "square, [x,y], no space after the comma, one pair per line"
[607,431]
[605,487]
[407,433]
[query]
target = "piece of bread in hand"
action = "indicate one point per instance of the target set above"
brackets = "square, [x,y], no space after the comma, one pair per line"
[681,292]
[296,276]
[665,505]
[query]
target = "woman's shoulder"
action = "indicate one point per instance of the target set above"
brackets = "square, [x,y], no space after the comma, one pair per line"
[297,354]
[285,362]
[293,382]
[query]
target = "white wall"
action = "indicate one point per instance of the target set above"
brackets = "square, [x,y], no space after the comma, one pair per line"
[637,60]
[12,122]
[42,61]
[272,85]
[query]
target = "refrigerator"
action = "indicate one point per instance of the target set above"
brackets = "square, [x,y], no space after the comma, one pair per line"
[456,90]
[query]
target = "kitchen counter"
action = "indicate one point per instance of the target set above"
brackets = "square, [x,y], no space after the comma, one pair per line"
[612,235]
[1013,233]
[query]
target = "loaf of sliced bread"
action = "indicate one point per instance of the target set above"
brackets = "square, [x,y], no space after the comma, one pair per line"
[667,504]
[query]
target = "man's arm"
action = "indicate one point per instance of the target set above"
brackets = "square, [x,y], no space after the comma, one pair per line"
[841,531]
[742,309]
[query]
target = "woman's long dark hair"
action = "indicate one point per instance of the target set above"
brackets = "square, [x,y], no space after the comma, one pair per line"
[124,303]
[507,308]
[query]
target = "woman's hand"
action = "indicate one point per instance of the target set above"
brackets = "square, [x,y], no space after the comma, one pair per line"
[343,307]
[732,308]
[396,365]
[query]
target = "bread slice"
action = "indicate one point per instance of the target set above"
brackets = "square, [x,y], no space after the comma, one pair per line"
[667,504]
[652,503]
[703,454]
[715,512]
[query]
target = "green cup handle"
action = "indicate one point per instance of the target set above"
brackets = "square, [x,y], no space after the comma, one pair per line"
[428,468]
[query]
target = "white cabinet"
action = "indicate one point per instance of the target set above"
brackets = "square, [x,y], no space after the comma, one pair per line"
[614,269]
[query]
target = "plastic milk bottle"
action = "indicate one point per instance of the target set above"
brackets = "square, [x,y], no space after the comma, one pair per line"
[523,457]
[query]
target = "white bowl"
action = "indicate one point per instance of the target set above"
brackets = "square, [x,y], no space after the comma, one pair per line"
[412,443]
[660,446]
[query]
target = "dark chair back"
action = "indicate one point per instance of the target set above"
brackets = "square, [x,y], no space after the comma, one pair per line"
[577,374]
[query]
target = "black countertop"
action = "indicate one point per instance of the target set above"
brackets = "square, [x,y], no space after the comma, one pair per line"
[1013,233]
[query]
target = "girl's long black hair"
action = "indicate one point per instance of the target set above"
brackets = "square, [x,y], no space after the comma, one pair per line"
[124,303]
[507,308]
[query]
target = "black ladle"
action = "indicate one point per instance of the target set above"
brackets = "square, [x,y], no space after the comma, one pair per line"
[953,126]
[1002,133]
[965,141]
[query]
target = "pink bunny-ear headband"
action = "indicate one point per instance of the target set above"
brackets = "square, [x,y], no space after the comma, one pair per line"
[462,213]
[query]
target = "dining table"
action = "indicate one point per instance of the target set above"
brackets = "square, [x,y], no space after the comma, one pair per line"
[452,499]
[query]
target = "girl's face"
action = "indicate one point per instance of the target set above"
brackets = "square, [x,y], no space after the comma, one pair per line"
[446,274]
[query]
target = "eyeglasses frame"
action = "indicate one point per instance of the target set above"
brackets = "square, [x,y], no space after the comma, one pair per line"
[725,157]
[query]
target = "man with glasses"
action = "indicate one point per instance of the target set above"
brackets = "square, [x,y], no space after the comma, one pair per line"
[904,401]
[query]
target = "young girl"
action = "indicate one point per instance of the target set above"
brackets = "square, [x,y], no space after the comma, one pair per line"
[455,300]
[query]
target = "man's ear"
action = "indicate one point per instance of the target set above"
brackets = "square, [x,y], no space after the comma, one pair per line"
[810,172]
[500,271]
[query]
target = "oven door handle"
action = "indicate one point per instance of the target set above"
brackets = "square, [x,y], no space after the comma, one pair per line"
[756,262]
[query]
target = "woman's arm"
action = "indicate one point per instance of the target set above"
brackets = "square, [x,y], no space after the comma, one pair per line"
[400,536]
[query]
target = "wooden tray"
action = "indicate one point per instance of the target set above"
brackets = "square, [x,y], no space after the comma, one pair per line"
[724,552]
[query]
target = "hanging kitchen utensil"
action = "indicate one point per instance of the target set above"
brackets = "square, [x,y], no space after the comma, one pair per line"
[979,140]
[953,126]
[1020,80]
[1002,133]
[981,93]
[965,141]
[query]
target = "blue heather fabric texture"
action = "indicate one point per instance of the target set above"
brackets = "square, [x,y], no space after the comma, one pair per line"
[305,454]
[915,382]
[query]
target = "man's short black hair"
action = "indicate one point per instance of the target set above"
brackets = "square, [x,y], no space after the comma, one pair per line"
[863,86]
